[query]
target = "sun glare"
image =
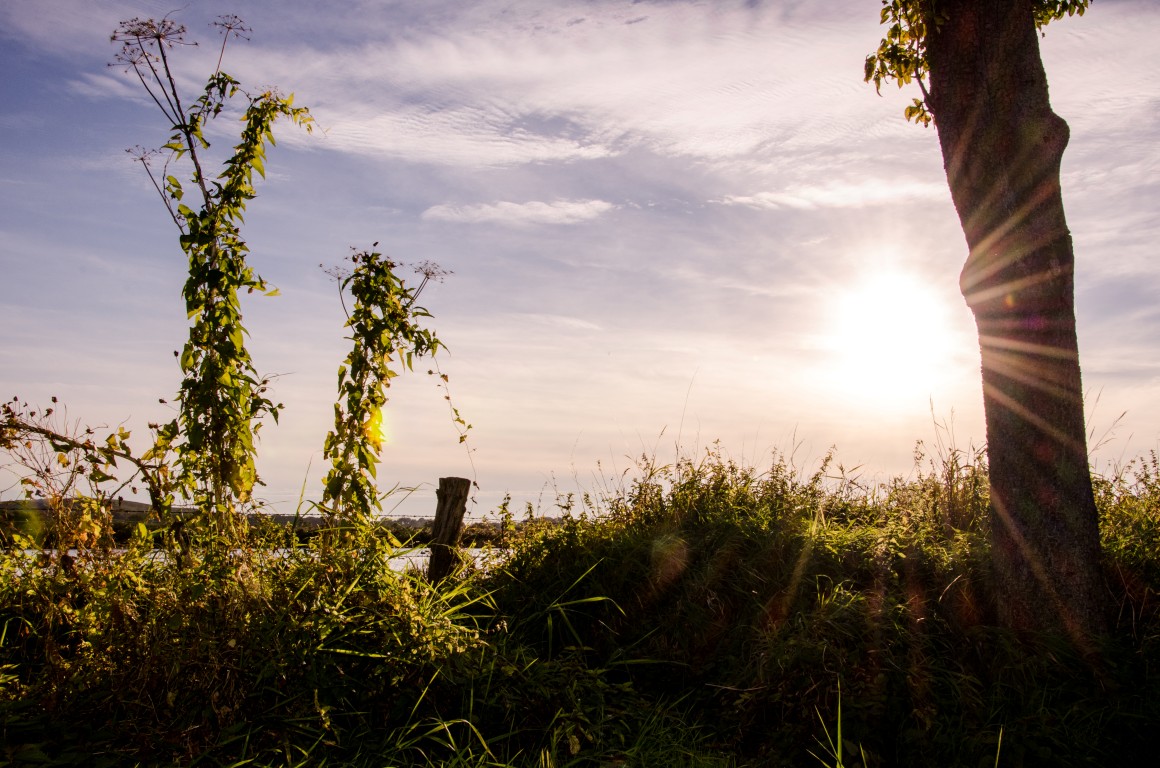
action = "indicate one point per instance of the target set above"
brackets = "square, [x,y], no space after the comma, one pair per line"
[384,430]
[377,428]
[890,340]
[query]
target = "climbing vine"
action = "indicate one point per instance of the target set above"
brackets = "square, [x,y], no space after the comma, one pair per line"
[200,470]
[222,398]
[387,337]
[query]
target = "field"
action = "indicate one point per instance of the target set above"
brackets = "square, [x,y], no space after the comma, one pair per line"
[695,614]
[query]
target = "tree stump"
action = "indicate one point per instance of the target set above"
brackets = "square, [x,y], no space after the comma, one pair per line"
[446,531]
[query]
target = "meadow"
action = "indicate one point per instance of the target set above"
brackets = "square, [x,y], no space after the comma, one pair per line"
[699,613]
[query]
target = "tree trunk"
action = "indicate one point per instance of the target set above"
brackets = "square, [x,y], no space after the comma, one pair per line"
[1002,147]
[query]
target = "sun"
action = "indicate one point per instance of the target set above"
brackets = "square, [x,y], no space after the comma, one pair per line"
[889,340]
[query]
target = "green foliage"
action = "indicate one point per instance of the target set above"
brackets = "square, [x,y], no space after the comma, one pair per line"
[901,55]
[385,330]
[699,614]
[222,397]
[268,654]
[206,456]
[74,472]
[756,595]
[1129,504]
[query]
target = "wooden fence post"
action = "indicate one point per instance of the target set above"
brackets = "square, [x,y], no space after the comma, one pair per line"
[450,507]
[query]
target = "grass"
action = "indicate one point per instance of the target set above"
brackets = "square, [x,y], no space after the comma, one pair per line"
[701,614]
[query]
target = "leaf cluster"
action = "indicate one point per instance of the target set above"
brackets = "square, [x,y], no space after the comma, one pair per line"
[901,55]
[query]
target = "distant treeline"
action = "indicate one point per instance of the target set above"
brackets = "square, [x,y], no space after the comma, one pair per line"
[33,518]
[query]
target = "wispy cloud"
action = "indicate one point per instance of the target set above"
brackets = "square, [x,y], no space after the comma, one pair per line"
[520,214]
[103,85]
[467,135]
[561,322]
[798,286]
[67,27]
[841,195]
[498,90]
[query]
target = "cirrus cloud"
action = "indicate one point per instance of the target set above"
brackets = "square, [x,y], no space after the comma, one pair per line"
[531,213]
[841,195]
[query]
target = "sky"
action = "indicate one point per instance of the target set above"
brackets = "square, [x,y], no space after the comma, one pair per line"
[673,227]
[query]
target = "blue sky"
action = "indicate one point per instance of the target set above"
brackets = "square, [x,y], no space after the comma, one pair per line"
[670,223]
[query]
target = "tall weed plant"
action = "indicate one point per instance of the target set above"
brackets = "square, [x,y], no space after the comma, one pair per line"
[222,398]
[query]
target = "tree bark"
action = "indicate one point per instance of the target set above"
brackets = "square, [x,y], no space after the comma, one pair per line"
[1002,147]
